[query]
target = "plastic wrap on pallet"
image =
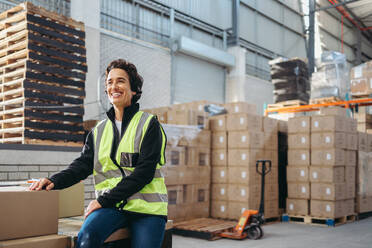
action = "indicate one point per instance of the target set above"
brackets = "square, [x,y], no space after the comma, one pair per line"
[332,77]
[177,132]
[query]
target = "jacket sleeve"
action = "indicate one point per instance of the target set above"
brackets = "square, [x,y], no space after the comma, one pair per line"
[144,171]
[79,169]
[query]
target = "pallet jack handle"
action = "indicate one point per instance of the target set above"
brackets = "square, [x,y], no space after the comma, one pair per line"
[264,171]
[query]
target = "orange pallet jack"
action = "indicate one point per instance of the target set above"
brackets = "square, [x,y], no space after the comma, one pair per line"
[249,224]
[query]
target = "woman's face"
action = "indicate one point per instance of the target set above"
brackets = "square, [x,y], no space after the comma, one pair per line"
[118,88]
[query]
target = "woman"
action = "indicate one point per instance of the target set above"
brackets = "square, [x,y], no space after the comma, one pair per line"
[124,153]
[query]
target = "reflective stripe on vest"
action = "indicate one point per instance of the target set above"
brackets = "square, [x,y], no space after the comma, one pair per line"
[152,198]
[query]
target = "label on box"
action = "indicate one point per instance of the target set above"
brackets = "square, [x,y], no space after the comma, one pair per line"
[303,123]
[303,156]
[315,175]
[303,189]
[316,124]
[241,120]
[303,140]
[222,208]
[329,156]
[358,71]
[220,122]
[221,139]
[328,208]
[236,109]
[242,192]
[244,174]
[200,107]
[244,138]
[291,207]
[244,156]
[328,191]
[302,173]
[181,174]
[327,139]
[222,191]
[243,209]
[222,173]
[370,83]
[222,156]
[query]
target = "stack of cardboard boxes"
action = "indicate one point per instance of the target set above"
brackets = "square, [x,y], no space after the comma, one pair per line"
[364,119]
[298,165]
[238,141]
[329,181]
[361,78]
[364,174]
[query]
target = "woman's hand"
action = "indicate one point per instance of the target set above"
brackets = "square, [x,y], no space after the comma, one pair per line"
[43,182]
[93,206]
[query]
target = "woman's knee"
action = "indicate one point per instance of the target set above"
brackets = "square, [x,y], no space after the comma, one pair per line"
[88,239]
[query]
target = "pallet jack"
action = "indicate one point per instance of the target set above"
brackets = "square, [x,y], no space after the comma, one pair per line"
[249,224]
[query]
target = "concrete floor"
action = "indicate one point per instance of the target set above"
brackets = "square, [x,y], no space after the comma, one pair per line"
[287,235]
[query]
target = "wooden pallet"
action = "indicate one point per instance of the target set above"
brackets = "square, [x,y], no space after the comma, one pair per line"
[291,103]
[325,100]
[362,216]
[204,228]
[319,221]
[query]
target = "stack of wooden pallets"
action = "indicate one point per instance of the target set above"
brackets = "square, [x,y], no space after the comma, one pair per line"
[42,77]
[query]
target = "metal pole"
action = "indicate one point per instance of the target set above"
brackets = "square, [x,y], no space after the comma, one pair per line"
[311,46]
[358,54]
[235,22]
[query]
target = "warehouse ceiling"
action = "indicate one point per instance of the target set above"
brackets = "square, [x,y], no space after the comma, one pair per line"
[362,10]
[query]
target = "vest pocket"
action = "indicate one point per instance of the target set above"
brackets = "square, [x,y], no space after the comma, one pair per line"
[128,159]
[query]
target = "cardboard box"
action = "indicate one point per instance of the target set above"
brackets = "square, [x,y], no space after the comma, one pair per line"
[188,191]
[299,190]
[350,190]
[362,117]
[240,107]
[244,157]
[243,193]
[350,173]
[245,139]
[219,157]
[175,156]
[220,175]
[299,157]
[300,124]
[243,121]
[271,141]
[328,191]
[328,140]
[175,194]
[219,191]
[236,209]
[272,176]
[71,201]
[361,86]
[369,142]
[363,204]
[201,193]
[243,175]
[270,125]
[47,241]
[328,157]
[219,209]
[350,158]
[352,141]
[282,126]
[202,139]
[204,174]
[334,111]
[298,141]
[364,126]
[273,156]
[19,207]
[198,156]
[219,140]
[351,125]
[297,206]
[201,209]
[297,174]
[331,209]
[217,123]
[325,174]
[324,123]
[171,174]
[362,141]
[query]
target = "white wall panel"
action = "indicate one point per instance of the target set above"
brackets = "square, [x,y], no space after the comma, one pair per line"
[294,45]
[247,24]
[269,35]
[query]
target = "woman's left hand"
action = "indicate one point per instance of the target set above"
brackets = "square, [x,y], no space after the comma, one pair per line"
[93,206]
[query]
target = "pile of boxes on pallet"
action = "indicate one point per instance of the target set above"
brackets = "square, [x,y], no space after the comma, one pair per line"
[364,119]
[361,78]
[239,138]
[322,164]
[30,218]
[187,170]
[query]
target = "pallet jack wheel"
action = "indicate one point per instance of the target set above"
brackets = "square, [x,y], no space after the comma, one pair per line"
[254,232]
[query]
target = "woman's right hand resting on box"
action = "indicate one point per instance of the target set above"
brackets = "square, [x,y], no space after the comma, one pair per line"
[41,184]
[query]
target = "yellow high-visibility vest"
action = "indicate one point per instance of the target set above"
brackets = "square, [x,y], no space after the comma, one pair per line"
[151,199]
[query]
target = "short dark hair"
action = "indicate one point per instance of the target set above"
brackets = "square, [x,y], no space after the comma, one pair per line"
[136,81]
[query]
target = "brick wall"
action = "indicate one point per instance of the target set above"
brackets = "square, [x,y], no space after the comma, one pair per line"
[20,165]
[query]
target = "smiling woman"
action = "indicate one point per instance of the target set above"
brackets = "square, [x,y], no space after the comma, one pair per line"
[124,153]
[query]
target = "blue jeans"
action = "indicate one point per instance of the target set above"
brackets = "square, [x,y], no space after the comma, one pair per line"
[145,231]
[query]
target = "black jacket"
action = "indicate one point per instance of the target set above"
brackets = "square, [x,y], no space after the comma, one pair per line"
[143,174]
